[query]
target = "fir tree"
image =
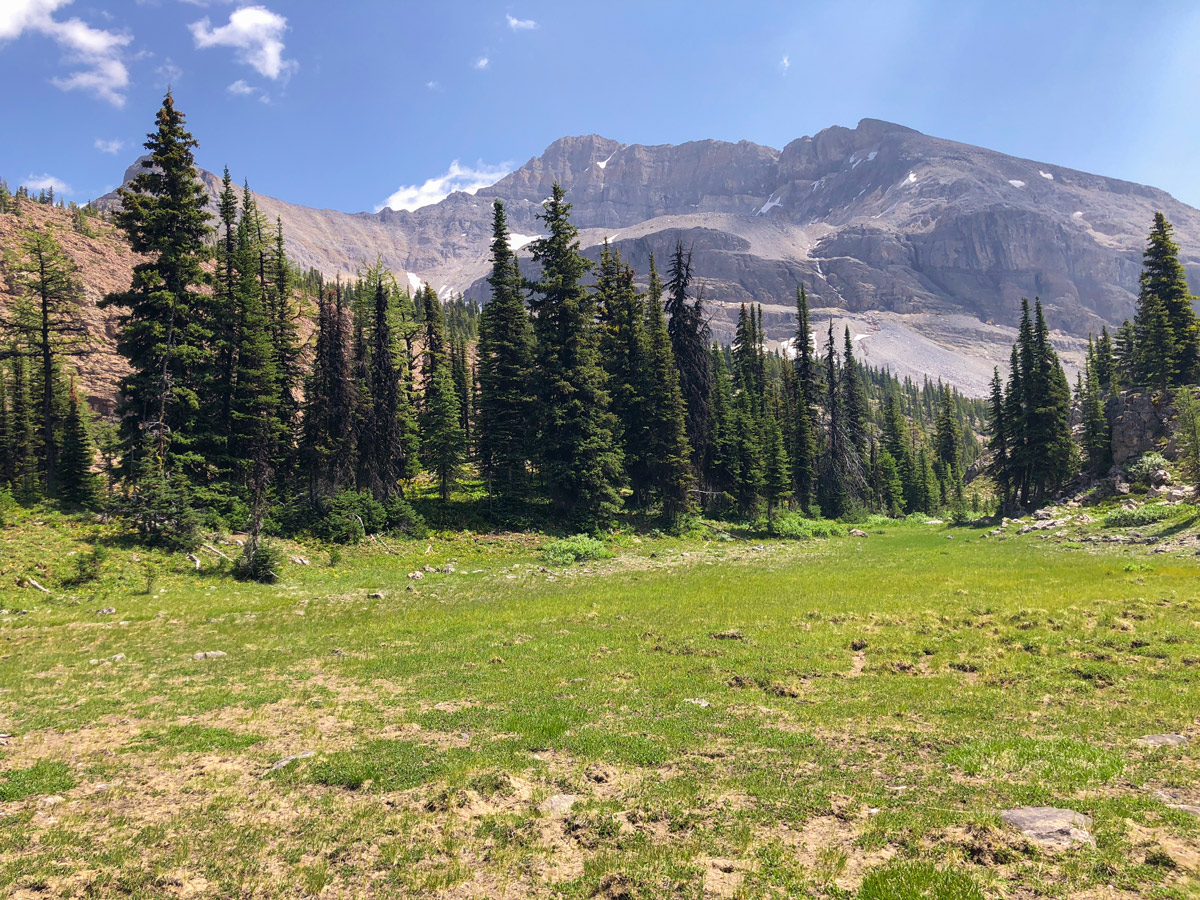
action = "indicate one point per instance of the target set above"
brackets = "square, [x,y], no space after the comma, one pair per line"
[331,399]
[77,482]
[442,438]
[389,443]
[804,442]
[505,350]
[690,337]
[668,451]
[1187,431]
[577,452]
[721,468]
[52,327]
[777,477]
[854,399]
[1097,439]
[1166,320]
[163,331]
[1000,466]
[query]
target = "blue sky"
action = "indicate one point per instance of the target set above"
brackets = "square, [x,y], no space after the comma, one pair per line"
[352,104]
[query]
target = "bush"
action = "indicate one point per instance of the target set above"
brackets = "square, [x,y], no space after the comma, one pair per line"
[262,563]
[88,566]
[348,517]
[1143,468]
[161,510]
[1146,515]
[794,526]
[572,549]
[403,519]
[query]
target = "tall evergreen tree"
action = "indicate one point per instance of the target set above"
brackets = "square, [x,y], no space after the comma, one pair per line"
[1168,333]
[690,337]
[505,351]
[443,442]
[389,442]
[163,330]
[805,453]
[578,455]
[78,483]
[327,441]
[52,327]
[854,398]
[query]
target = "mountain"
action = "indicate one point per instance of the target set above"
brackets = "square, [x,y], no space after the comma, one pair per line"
[924,247]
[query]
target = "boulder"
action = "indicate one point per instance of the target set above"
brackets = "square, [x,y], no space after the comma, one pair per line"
[1138,425]
[1050,827]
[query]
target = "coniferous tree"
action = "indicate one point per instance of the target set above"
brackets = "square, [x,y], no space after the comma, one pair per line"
[1125,353]
[721,468]
[443,441]
[1187,411]
[1097,438]
[690,337]
[668,451]
[1166,328]
[51,328]
[777,476]
[26,485]
[505,349]
[1000,467]
[804,443]
[77,482]
[854,399]
[163,331]
[225,314]
[577,452]
[624,353]
[6,432]
[389,442]
[327,441]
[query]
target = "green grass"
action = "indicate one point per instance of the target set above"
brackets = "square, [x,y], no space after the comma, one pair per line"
[826,716]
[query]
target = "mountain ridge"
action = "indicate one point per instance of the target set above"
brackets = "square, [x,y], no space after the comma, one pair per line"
[879,222]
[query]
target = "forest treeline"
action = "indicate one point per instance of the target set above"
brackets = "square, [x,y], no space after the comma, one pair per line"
[270,400]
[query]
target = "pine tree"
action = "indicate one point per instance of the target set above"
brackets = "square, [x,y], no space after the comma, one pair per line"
[6,431]
[577,452]
[225,314]
[331,400]
[27,487]
[804,442]
[163,331]
[1097,439]
[624,352]
[777,476]
[690,337]
[49,319]
[1000,466]
[721,466]
[505,350]
[1187,431]
[890,485]
[842,479]
[1166,320]
[77,482]
[1125,352]
[389,442]
[442,439]
[854,399]
[668,451]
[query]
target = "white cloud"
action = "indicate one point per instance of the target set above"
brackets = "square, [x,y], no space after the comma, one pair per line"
[521,24]
[113,147]
[45,181]
[481,63]
[432,85]
[785,64]
[168,73]
[97,52]
[457,178]
[240,88]
[257,35]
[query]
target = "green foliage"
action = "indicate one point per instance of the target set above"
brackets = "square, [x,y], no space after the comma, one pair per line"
[260,561]
[88,566]
[1147,515]
[1166,333]
[1187,431]
[160,508]
[348,517]
[401,518]
[77,482]
[916,880]
[793,526]
[1142,469]
[577,548]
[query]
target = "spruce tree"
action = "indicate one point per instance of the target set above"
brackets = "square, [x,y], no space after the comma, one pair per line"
[804,442]
[721,466]
[668,451]
[26,486]
[690,337]
[777,476]
[1000,467]
[77,482]
[1166,320]
[331,399]
[505,350]
[442,439]
[624,354]
[1187,431]
[578,455]
[389,444]
[52,327]
[1097,438]
[854,398]
[163,330]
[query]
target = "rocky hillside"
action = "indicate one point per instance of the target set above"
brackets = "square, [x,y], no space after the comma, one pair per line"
[105,265]
[923,246]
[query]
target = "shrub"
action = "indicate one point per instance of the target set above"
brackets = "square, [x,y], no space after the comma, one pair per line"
[572,549]
[1143,468]
[348,517]
[403,519]
[262,563]
[1146,515]
[794,526]
[88,566]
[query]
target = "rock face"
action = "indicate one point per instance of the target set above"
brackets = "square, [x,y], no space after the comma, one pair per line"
[918,244]
[1139,425]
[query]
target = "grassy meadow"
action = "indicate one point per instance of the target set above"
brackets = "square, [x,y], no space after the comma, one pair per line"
[721,715]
